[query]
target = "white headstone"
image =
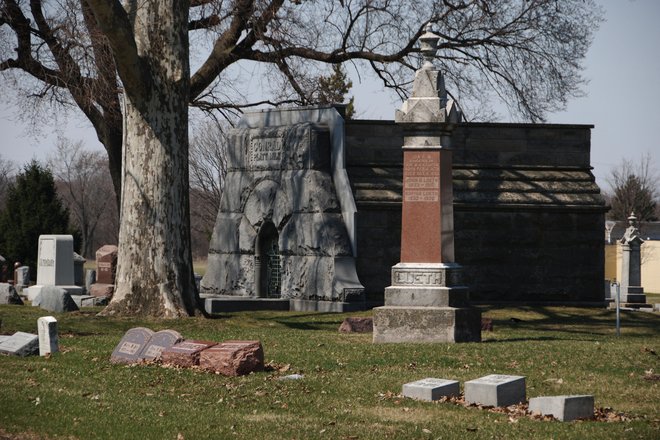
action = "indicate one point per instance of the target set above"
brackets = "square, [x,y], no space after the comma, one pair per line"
[47,326]
[20,344]
[55,265]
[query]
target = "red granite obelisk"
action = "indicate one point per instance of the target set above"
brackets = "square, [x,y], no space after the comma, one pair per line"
[427,301]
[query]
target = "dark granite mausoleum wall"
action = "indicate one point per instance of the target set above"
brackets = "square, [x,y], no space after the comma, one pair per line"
[528,215]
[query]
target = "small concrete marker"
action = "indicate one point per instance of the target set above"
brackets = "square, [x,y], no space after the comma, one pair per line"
[48,343]
[495,390]
[431,389]
[564,408]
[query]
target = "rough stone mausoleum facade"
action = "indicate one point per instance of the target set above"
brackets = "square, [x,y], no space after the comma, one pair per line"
[312,210]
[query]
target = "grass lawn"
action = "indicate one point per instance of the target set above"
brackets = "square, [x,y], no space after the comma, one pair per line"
[350,388]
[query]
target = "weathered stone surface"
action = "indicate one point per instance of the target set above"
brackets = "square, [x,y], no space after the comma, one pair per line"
[355,324]
[106,264]
[55,265]
[22,276]
[159,341]
[78,270]
[564,408]
[431,389]
[48,343]
[233,358]
[8,295]
[20,344]
[427,296]
[426,324]
[280,188]
[130,347]
[102,290]
[186,353]
[55,299]
[495,390]
[90,278]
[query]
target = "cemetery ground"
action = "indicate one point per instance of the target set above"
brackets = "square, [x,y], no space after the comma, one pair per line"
[350,388]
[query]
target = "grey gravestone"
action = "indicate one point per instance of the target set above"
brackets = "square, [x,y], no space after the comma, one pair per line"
[131,345]
[3,338]
[47,326]
[8,295]
[20,344]
[78,270]
[564,408]
[55,265]
[22,277]
[159,341]
[495,390]
[431,389]
[90,278]
[55,299]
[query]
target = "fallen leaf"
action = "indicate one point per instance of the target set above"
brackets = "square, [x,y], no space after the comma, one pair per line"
[426,431]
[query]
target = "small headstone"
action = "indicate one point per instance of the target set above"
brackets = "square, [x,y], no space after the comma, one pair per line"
[233,358]
[106,264]
[495,390]
[357,325]
[21,277]
[131,345]
[564,408]
[186,353]
[159,341]
[431,389]
[47,326]
[8,295]
[20,344]
[78,270]
[55,299]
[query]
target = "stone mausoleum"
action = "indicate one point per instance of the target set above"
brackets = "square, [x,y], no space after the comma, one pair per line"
[311,212]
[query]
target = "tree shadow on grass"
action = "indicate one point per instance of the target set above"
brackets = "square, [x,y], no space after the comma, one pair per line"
[576,321]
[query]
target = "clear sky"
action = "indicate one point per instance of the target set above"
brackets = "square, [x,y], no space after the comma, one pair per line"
[623,96]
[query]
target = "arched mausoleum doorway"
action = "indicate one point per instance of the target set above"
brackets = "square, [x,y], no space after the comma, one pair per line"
[268,264]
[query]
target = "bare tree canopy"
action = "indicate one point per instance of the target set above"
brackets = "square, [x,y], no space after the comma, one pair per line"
[635,188]
[127,67]
[86,190]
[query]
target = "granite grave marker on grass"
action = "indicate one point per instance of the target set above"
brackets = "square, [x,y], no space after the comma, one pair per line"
[8,295]
[431,389]
[159,341]
[564,408]
[20,344]
[130,347]
[186,353]
[55,265]
[233,358]
[495,390]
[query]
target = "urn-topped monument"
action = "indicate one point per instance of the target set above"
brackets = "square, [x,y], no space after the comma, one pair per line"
[427,301]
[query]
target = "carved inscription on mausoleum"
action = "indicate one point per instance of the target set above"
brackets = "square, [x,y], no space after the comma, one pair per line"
[421,178]
[265,151]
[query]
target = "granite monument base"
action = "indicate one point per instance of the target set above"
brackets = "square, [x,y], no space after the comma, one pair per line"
[426,324]
[35,290]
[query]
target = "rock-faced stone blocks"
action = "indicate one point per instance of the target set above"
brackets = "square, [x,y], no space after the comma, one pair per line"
[495,390]
[356,324]
[564,408]
[185,353]
[431,389]
[233,358]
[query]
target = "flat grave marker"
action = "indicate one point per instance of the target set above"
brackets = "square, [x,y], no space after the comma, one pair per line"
[431,389]
[130,347]
[20,344]
[495,390]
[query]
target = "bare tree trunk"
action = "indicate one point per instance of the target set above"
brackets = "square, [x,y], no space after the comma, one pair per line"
[154,271]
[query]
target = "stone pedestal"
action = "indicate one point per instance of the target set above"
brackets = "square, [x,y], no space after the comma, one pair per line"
[426,303]
[631,265]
